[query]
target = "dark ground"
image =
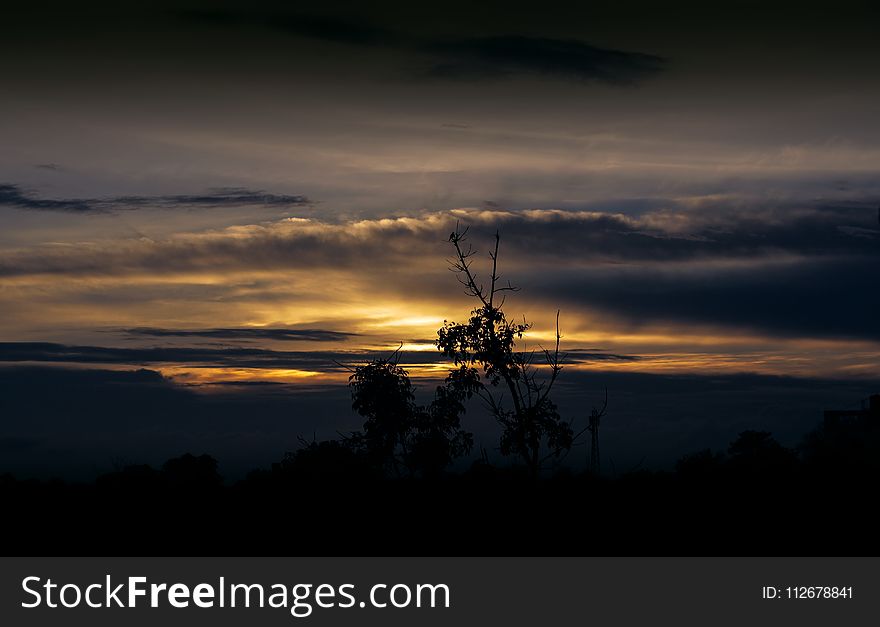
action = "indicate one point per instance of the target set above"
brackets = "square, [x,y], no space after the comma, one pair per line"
[710,505]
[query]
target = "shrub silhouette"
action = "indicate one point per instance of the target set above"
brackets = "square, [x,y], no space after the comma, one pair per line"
[517,397]
[757,452]
[700,465]
[329,460]
[191,473]
[399,436]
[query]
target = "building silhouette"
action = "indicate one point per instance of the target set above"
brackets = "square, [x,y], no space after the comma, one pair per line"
[868,414]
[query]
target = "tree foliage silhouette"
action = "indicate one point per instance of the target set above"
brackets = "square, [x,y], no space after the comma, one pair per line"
[515,391]
[757,452]
[399,435]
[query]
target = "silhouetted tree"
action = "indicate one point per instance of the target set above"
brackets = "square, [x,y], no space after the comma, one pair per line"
[382,393]
[399,435]
[532,428]
[757,452]
[329,460]
[700,465]
[130,479]
[192,473]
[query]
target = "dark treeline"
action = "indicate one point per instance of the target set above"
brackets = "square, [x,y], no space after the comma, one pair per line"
[327,498]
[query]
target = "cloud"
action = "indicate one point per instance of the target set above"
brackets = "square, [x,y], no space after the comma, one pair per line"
[322,361]
[237,357]
[14,196]
[310,335]
[791,273]
[818,298]
[493,57]
[507,56]
[333,29]
[531,238]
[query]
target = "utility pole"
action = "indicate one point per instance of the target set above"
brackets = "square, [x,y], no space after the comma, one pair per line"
[595,461]
[593,427]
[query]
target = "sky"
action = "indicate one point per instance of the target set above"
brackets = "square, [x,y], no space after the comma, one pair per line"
[243,195]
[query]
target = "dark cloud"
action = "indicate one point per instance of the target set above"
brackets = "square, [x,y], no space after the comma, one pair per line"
[830,298]
[529,239]
[221,196]
[681,235]
[244,333]
[507,56]
[195,356]
[15,196]
[77,422]
[228,357]
[49,166]
[495,57]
